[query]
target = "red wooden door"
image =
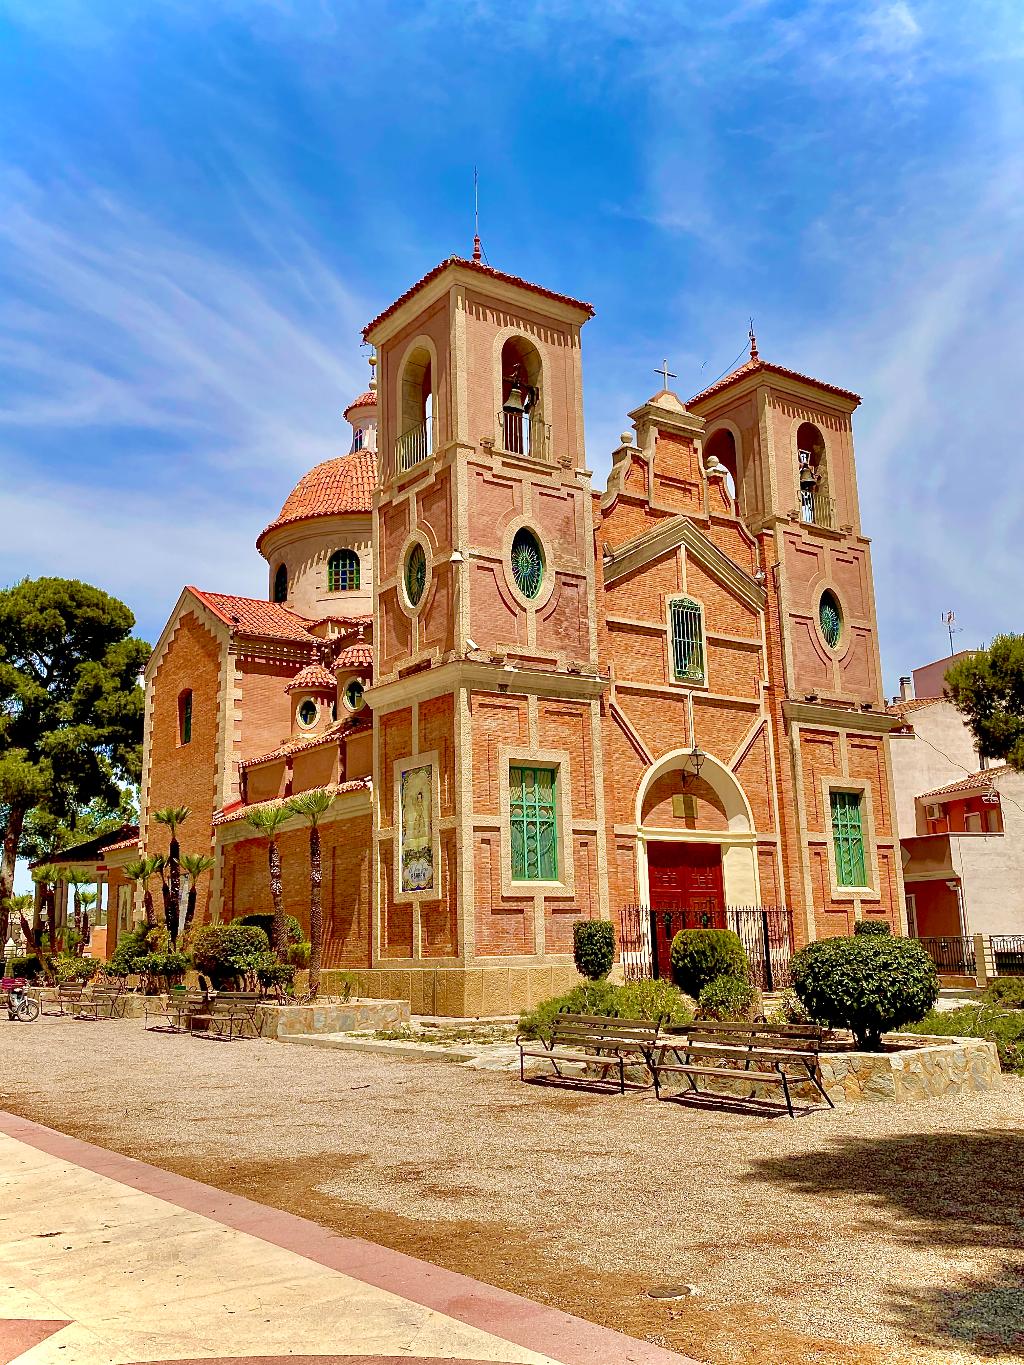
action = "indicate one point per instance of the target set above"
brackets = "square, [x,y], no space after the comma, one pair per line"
[686,886]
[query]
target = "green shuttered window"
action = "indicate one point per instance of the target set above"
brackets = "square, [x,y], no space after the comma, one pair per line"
[687,640]
[848,836]
[534,824]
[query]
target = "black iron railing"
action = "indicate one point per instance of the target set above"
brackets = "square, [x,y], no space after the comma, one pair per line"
[953,956]
[1007,954]
[646,933]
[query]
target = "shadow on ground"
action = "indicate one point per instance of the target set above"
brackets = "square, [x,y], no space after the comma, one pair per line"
[951,1192]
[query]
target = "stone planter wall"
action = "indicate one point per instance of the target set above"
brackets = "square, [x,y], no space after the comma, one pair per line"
[286,1021]
[929,1069]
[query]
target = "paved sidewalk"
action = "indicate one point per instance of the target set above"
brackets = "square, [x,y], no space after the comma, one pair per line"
[105,1260]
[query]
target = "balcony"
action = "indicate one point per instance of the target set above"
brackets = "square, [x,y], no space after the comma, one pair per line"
[414,445]
[817,509]
[525,434]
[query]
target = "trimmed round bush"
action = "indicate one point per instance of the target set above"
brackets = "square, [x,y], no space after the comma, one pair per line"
[877,928]
[593,948]
[700,956]
[224,951]
[727,997]
[292,927]
[868,984]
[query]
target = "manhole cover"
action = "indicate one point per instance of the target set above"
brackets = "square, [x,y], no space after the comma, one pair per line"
[673,1291]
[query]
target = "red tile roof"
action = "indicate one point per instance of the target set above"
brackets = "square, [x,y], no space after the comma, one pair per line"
[297,743]
[355,656]
[233,813]
[335,488]
[753,367]
[313,678]
[486,270]
[365,400]
[973,783]
[254,616]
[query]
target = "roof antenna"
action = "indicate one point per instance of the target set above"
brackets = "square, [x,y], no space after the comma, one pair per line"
[753,342]
[477,252]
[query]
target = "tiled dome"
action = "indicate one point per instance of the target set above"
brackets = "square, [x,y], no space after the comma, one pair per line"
[313,678]
[335,488]
[365,400]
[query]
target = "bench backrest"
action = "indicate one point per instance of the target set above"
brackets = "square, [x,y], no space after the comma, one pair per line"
[602,1031]
[71,988]
[742,1033]
[240,997]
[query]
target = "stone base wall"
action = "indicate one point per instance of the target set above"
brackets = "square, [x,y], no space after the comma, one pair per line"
[938,1067]
[286,1021]
[459,992]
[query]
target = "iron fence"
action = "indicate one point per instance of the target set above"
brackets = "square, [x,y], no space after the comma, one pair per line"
[766,932]
[953,956]
[1008,954]
[414,445]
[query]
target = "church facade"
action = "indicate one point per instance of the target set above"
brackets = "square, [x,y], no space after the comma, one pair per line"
[531,700]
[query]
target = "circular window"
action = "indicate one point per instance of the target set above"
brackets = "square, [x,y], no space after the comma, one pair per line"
[415,573]
[527,563]
[308,712]
[354,695]
[830,618]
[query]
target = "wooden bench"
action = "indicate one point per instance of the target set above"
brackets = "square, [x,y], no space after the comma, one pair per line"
[741,1051]
[69,993]
[174,1008]
[221,1018]
[595,1039]
[245,1002]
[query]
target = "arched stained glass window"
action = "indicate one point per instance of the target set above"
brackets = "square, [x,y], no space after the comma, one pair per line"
[343,571]
[415,573]
[281,583]
[830,617]
[527,563]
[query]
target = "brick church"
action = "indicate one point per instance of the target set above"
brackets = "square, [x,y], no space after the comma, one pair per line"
[533,700]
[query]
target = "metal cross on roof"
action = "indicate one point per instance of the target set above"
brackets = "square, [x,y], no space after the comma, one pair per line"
[665,373]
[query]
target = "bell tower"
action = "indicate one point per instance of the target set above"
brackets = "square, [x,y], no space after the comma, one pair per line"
[487,827]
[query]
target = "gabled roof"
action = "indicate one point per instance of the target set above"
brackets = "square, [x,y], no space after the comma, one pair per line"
[975,782]
[905,708]
[756,366]
[336,488]
[478,269]
[254,616]
[92,850]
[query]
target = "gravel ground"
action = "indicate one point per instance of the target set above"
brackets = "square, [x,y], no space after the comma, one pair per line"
[877,1233]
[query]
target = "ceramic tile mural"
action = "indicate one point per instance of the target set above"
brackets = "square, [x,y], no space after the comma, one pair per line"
[416,821]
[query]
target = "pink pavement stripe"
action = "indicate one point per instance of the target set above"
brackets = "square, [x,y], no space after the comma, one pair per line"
[325,1360]
[19,1335]
[548,1331]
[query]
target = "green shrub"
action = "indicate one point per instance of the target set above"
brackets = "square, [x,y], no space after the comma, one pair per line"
[347,985]
[131,949]
[1007,991]
[655,1000]
[727,997]
[292,927]
[593,948]
[637,1000]
[275,974]
[69,967]
[298,953]
[1005,1029]
[879,928]
[29,967]
[224,952]
[169,966]
[867,984]
[789,1010]
[699,956]
[595,997]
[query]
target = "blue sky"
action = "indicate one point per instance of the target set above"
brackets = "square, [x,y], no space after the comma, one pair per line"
[202,203]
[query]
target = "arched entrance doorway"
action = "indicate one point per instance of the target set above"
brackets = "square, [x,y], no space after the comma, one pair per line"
[696,848]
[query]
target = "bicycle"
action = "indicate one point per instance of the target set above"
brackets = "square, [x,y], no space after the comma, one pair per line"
[21,1008]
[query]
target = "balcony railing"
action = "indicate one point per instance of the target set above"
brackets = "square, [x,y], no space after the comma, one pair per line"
[525,434]
[817,509]
[414,445]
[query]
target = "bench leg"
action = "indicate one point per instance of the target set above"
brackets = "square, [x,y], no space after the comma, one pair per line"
[785,1091]
[622,1076]
[816,1082]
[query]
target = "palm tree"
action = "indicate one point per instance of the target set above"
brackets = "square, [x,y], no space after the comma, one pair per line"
[76,877]
[87,899]
[311,806]
[193,865]
[172,817]
[45,876]
[267,820]
[142,871]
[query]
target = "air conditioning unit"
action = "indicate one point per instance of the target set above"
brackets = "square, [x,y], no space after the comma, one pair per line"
[933,811]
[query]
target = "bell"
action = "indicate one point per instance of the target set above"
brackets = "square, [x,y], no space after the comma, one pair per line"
[808,478]
[514,402]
